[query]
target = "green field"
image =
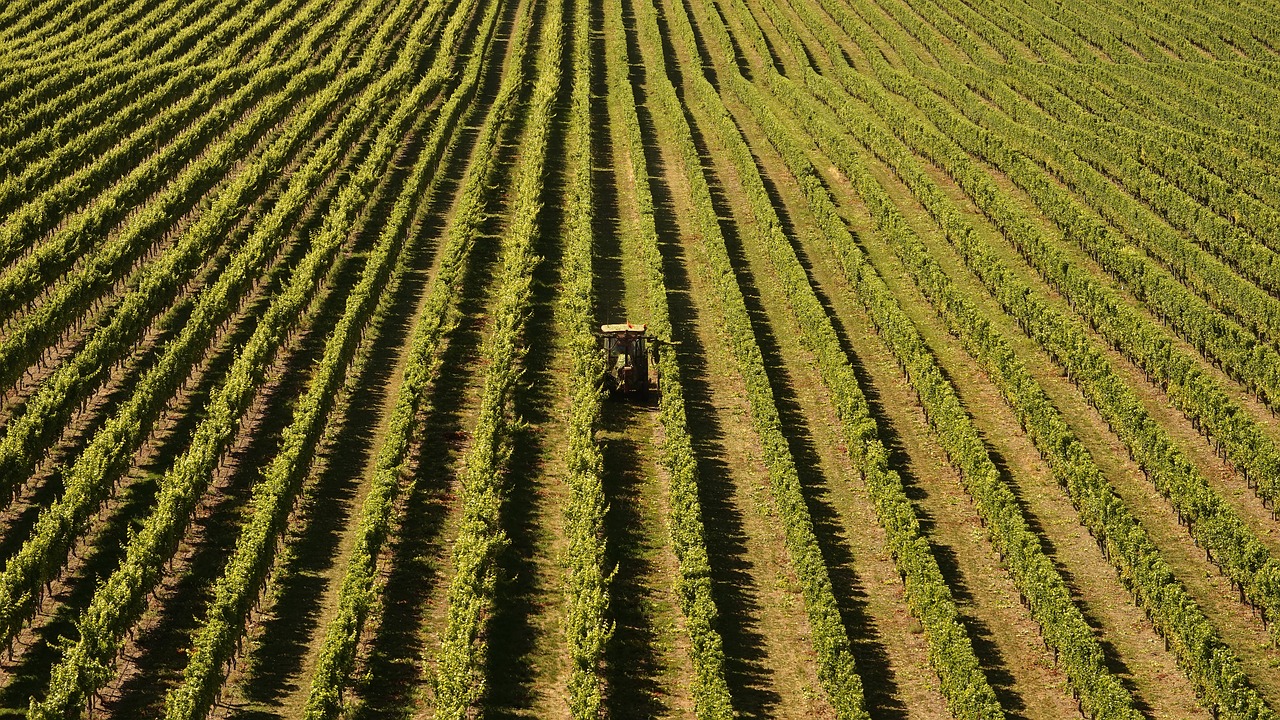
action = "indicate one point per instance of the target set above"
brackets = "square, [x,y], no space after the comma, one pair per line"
[968,411]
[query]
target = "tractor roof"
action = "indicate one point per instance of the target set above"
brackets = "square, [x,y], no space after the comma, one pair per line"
[621,328]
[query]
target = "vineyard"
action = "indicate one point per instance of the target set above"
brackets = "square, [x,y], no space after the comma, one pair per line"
[966,330]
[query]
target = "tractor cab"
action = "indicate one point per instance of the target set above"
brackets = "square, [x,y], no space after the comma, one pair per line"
[627,351]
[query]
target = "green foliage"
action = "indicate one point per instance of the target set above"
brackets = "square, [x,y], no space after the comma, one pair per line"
[1177,202]
[1212,522]
[200,139]
[1194,391]
[587,626]
[246,573]
[31,432]
[120,601]
[1062,625]
[75,94]
[92,476]
[358,592]
[459,680]
[710,691]
[1210,664]
[830,639]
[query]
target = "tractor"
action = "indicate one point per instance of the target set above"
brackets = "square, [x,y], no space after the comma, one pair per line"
[630,358]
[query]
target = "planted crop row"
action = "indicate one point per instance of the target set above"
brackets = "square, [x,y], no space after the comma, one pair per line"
[90,34]
[88,28]
[117,35]
[190,133]
[266,87]
[45,236]
[29,434]
[950,649]
[1212,667]
[31,151]
[1078,31]
[1213,210]
[1051,39]
[1160,101]
[1159,37]
[1230,33]
[587,626]
[55,113]
[1244,172]
[962,21]
[1214,335]
[1205,104]
[1088,162]
[1031,32]
[985,31]
[836,668]
[1063,627]
[1222,419]
[1212,522]
[91,478]
[1219,337]
[1244,87]
[1239,97]
[32,85]
[1042,587]
[245,575]
[460,680]
[358,593]
[1191,90]
[85,666]
[955,30]
[22,78]
[710,691]
[31,33]
[17,16]
[1210,664]
[1236,434]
